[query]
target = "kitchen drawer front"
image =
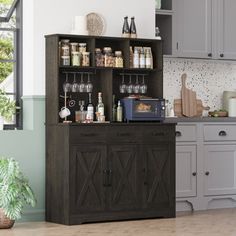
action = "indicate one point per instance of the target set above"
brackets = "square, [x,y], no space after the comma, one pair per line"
[158,133]
[124,135]
[88,134]
[186,133]
[220,132]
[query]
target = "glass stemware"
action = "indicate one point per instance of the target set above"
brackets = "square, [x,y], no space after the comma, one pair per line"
[67,85]
[137,85]
[81,84]
[123,85]
[89,85]
[143,87]
[75,85]
[130,86]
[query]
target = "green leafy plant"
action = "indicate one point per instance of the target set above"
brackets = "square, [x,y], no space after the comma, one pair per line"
[7,107]
[15,191]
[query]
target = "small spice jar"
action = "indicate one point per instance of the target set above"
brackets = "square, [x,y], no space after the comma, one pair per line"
[99,58]
[82,47]
[76,58]
[119,62]
[108,57]
[86,59]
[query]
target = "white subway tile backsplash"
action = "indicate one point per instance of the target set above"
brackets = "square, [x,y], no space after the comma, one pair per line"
[209,78]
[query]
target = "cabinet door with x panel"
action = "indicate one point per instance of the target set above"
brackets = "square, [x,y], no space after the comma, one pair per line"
[158,185]
[123,165]
[88,177]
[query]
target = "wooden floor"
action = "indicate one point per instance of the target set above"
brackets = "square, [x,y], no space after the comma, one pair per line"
[205,223]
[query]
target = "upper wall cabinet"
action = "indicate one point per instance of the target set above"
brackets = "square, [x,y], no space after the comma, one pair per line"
[205,29]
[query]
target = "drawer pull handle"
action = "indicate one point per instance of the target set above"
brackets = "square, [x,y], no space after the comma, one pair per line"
[221,55]
[194,173]
[157,134]
[209,54]
[178,134]
[222,133]
[88,135]
[207,173]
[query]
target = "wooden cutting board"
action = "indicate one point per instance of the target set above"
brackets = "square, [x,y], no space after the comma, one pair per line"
[189,99]
[178,107]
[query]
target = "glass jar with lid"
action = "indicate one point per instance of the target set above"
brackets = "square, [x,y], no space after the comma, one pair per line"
[108,57]
[99,58]
[74,47]
[65,47]
[119,62]
[76,58]
[86,59]
[82,47]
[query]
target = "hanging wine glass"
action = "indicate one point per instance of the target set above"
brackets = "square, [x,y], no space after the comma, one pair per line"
[123,85]
[66,84]
[81,84]
[130,86]
[75,85]
[143,87]
[137,85]
[89,85]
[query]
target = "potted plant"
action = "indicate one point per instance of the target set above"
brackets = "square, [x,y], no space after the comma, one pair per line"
[15,192]
[7,108]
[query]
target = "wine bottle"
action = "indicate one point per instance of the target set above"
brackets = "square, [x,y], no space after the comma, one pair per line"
[132,31]
[113,109]
[90,109]
[100,106]
[125,30]
[119,113]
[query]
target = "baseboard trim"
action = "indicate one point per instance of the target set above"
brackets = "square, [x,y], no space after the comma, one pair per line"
[36,215]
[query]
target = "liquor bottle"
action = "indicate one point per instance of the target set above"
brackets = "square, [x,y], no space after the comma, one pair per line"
[119,113]
[113,109]
[131,57]
[90,109]
[100,106]
[125,30]
[132,31]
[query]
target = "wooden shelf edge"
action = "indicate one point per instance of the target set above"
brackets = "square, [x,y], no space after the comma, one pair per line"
[164,12]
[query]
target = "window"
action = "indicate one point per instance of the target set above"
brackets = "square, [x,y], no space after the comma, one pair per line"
[11,55]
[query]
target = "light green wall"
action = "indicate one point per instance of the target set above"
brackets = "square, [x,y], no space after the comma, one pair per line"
[28,147]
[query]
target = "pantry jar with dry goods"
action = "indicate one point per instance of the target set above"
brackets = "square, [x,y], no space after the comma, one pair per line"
[82,47]
[65,47]
[119,62]
[99,58]
[86,59]
[76,58]
[108,57]
[74,47]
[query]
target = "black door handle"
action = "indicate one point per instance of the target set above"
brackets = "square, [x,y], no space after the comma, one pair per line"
[194,173]
[209,55]
[222,133]
[178,134]
[207,173]
[221,55]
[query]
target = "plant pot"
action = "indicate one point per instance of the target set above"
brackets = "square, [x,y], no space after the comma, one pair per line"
[1,122]
[5,222]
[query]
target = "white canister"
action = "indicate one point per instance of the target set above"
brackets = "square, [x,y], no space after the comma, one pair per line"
[232,107]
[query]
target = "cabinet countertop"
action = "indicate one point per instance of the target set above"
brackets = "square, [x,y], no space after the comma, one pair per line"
[199,119]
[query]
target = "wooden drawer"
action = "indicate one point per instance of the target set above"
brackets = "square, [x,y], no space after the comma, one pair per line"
[92,134]
[123,134]
[153,134]
[219,132]
[186,133]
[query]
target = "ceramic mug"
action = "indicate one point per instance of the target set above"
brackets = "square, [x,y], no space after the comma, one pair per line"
[64,112]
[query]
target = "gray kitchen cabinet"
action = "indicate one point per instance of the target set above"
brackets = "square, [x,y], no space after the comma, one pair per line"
[205,29]
[186,169]
[205,165]
[219,169]
[193,28]
[226,29]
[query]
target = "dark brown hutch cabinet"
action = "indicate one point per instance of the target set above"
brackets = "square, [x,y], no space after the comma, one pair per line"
[108,171]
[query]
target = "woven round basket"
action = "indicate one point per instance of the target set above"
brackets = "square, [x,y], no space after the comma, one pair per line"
[5,222]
